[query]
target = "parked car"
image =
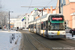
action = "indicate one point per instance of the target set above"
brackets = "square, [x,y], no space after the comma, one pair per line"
[68,30]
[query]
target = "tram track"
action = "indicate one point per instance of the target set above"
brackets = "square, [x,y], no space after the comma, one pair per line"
[46,44]
[26,43]
[62,41]
[30,42]
[41,45]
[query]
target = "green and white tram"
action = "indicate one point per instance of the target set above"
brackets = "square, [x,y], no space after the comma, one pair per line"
[49,25]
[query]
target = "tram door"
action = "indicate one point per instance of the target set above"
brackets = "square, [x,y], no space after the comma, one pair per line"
[38,28]
[46,28]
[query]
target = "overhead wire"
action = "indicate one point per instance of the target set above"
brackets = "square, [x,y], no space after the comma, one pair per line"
[49,3]
[30,5]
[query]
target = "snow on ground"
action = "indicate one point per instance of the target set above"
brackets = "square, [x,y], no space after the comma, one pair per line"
[10,40]
[69,36]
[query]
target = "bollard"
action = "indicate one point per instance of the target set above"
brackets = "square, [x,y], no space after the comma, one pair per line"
[10,39]
[13,36]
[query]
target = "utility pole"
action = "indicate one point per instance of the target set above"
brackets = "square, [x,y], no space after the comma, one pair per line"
[62,7]
[59,6]
[9,20]
[42,12]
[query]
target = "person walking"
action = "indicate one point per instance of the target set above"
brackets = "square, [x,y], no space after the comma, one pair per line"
[73,32]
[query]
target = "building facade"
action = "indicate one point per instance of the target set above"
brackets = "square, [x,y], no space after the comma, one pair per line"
[22,24]
[68,12]
[35,14]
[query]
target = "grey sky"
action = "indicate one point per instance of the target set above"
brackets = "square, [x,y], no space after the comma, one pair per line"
[15,5]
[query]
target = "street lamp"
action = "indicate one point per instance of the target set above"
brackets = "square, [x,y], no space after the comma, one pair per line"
[9,19]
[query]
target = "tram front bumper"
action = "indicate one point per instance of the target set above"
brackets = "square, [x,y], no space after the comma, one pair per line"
[57,36]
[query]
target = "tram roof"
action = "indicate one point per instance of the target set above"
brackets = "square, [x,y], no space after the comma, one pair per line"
[44,16]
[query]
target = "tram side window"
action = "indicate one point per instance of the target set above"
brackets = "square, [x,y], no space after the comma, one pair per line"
[41,26]
[44,25]
[32,26]
[29,26]
[38,25]
[35,26]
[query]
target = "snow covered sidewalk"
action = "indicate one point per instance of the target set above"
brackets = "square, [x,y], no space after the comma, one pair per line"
[69,36]
[10,40]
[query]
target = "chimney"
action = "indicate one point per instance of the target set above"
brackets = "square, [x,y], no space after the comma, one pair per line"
[47,10]
[51,11]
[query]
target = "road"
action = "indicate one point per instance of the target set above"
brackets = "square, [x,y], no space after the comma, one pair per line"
[32,41]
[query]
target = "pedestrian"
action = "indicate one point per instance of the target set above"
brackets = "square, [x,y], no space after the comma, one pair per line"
[17,28]
[73,32]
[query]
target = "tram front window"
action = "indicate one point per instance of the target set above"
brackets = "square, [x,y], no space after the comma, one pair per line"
[57,26]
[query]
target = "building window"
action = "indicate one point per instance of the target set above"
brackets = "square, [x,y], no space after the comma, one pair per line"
[25,22]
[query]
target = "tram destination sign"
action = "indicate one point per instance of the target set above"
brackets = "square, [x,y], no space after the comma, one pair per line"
[57,18]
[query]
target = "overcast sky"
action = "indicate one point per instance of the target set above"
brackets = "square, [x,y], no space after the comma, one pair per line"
[15,5]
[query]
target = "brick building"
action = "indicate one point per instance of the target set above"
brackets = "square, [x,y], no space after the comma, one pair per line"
[68,12]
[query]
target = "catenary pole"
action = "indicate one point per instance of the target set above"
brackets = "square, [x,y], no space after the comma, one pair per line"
[59,6]
[9,20]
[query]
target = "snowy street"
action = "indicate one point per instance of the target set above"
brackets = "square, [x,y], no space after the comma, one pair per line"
[10,40]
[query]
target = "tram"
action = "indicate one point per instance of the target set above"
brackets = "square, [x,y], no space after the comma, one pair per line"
[49,25]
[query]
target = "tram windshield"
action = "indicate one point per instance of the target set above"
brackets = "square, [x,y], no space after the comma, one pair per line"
[57,26]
